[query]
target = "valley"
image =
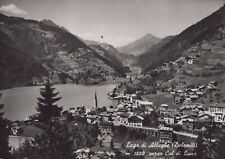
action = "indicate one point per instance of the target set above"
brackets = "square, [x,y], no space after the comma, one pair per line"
[106,87]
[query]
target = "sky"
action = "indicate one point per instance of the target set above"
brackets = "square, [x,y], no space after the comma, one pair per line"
[118,21]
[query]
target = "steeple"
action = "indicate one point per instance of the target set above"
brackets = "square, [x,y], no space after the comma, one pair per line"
[96,100]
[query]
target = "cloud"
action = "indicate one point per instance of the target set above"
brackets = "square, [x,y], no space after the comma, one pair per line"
[13,9]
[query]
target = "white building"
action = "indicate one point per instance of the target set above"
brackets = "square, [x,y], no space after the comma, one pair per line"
[135,121]
[218,111]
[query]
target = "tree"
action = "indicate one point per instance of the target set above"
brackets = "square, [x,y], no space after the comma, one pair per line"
[55,143]
[46,103]
[4,136]
[220,153]
[151,119]
[27,150]
[201,148]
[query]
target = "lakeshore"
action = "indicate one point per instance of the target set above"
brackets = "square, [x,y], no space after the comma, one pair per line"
[21,102]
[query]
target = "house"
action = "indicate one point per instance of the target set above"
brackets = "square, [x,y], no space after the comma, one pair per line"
[105,127]
[187,122]
[200,93]
[193,97]
[189,59]
[219,117]
[204,119]
[164,107]
[140,103]
[213,83]
[123,119]
[148,110]
[216,108]
[135,121]
[188,111]
[15,128]
[82,153]
[169,120]
[165,134]
[201,87]
[107,140]
[105,116]
[92,117]
[15,142]
[218,111]
[111,109]
[211,87]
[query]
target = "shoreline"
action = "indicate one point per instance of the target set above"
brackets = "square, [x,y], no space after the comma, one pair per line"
[59,84]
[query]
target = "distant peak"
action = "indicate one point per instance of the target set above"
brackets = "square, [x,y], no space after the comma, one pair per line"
[49,22]
[149,35]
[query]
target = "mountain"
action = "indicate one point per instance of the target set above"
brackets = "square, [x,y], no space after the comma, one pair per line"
[194,59]
[140,46]
[61,55]
[207,30]
[16,67]
[152,53]
[111,53]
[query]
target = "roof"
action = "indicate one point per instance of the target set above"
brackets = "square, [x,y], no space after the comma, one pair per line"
[211,86]
[168,115]
[164,105]
[205,114]
[213,82]
[166,128]
[180,91]
[187,119]
[145,102]
[201,86]
[193,96]
[93,112]
[135,119]
[218,105]
[199,93]
[125,115]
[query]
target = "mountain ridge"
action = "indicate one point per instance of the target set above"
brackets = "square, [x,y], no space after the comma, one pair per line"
[140,45]
[175,47]
[63,55]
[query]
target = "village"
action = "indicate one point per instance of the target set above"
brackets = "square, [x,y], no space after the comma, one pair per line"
[131,120]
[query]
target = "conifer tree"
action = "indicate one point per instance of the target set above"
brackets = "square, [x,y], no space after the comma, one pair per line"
[47,107]
[4,132]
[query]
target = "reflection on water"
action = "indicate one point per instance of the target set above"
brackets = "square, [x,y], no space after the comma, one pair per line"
[21,102]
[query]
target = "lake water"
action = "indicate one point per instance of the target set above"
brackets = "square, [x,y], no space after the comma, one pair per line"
[20,102]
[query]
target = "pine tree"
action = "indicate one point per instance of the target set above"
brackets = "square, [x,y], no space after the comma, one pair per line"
[4,132]
[46,103]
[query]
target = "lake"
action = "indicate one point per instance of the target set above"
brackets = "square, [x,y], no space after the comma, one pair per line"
[20,102]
